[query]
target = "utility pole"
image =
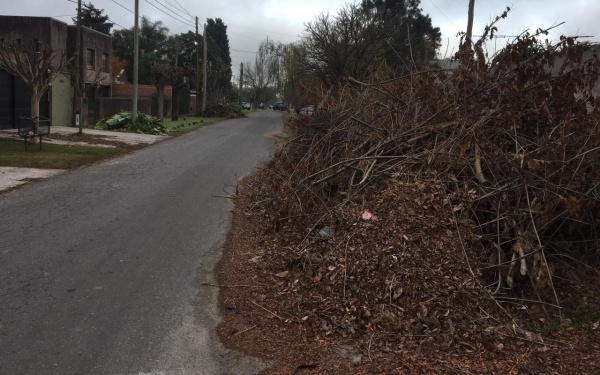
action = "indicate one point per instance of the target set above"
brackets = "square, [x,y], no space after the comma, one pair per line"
[197,69]
[136,50]
[175,89]
[241,76]
[204,58]
[77,76]
[470,21]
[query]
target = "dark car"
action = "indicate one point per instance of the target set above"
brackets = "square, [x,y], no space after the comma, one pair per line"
[280,106]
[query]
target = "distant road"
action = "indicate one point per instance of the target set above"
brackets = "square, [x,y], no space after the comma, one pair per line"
[101,268]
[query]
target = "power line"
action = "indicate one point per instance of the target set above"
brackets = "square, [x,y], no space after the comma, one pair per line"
[267,31]
[182,8]
[239,50]
[176,19]
[122,6]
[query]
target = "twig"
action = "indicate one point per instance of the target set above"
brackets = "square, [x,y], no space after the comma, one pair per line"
[231,285]
[345,265]
[303,366]
[244,331]
[550,281]
[267,310]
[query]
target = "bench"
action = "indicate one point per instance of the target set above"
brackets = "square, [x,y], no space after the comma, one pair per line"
[26,128]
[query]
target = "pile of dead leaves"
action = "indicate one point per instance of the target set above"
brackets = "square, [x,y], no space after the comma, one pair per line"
[398,292]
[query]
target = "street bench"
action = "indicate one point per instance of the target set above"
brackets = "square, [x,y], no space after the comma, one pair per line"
[27,129]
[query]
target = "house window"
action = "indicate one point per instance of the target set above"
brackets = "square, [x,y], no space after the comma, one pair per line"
[105,62]
[90,59]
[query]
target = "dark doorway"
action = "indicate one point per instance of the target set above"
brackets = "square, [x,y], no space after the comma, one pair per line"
[15,101]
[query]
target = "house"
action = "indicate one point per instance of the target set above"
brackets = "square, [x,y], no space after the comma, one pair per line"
[57,103]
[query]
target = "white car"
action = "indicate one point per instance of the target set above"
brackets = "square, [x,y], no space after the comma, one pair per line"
[309,110]
[246,105]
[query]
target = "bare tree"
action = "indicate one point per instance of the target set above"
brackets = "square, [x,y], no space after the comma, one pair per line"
[346,45]
[36,64]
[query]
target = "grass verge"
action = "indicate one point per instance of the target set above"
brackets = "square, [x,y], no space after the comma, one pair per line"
[188,123]
[52,156]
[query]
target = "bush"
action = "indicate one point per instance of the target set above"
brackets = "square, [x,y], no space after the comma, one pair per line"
[123,121]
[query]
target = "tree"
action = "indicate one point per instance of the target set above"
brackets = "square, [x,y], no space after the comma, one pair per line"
[164,74]
[93,18]
[344,45]
[219,61]
[185,67]
[260,77]
[186,51]
[36,64]
[409,37]
[153,47]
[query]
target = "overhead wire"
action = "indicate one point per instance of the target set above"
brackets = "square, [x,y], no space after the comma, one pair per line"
[182,8]
[175,18]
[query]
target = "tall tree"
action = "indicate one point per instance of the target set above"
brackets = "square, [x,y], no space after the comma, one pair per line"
[163,76]
[185,67]
[153,46]
[93,18]
[219,61]
[186,49]
[409,37]
[344,45]
[36,64]
[261,76]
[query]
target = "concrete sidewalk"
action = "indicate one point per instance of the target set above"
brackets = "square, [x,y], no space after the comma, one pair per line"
[13,176]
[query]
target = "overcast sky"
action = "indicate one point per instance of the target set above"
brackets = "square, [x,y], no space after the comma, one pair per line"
[252,21]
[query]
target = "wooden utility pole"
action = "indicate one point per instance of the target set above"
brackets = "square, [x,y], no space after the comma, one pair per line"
[470,21]
[204,58]
[175,89]
[77,76]
[197,69]
[136,50]
[241,76]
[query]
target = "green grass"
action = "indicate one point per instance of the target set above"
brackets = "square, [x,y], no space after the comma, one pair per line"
[52,156]
[188,123]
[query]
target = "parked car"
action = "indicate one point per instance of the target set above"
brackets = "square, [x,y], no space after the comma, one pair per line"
[246,105]
[308,110]
[280,106]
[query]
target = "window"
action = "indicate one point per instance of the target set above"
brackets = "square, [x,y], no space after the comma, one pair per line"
[105,62]
[90,59]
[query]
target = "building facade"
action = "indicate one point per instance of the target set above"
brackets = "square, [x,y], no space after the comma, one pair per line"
[57,103]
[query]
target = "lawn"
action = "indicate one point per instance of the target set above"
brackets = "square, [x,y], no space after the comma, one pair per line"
[52,156]
[188,123]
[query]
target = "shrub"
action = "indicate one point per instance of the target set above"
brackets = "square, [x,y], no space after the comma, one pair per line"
[123,121]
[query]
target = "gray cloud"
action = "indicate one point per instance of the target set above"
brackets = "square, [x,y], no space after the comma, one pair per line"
[250,22]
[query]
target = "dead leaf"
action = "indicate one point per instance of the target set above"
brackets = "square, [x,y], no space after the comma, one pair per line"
[282,274]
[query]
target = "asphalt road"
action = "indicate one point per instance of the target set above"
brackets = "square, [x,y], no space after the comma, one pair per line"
[101,269]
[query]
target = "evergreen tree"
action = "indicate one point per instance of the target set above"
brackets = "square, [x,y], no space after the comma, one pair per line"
[410,38]
[93,18]
[154,47]
[219,61]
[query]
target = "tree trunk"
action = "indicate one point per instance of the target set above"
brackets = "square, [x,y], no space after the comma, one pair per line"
[35,114]
[161,102]
[175,104]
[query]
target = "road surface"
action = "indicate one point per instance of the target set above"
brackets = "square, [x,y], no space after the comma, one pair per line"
[101,268]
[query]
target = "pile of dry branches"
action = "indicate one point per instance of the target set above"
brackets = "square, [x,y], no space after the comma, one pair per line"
[515,138]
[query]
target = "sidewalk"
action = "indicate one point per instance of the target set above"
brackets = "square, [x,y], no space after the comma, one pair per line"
[13,176]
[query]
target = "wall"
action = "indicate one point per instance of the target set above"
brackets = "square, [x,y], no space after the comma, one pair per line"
[125,90]
[100,108]
[48,31]
[61,102]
